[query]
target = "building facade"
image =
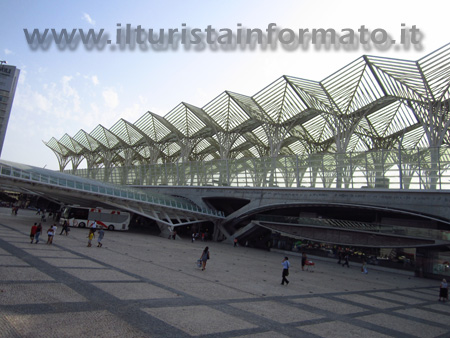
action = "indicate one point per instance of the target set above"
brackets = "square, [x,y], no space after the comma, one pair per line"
[9,76]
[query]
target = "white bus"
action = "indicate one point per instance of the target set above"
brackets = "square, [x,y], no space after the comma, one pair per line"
[85,217]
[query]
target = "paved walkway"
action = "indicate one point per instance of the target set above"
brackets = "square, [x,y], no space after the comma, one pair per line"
[144,286]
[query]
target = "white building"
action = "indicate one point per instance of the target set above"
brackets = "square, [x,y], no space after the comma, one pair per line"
[8,82]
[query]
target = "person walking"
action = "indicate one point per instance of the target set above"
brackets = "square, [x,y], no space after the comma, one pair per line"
[443,291]
[286,265]
[364,267]
[101,233]
[346,260]
[94,226]
[204,258]
[304,258]
[65,228]
[38,233]
[33,232]
[51,233]
[90,237]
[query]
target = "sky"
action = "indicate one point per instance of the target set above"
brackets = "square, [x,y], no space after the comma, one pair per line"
[63,90]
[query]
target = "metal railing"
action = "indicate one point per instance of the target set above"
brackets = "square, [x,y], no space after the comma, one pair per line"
[62,180]
[423,169]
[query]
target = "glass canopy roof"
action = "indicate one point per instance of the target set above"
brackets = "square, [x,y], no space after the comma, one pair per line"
[372,103]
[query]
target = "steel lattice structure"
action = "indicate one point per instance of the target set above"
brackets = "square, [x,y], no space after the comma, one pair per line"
[370,105]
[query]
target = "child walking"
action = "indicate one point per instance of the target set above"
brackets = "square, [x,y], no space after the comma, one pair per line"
[90,237]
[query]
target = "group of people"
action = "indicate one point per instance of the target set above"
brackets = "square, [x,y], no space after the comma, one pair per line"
[286,265]
[91,236]
[173,235]
[443,290]
[343,258]
[36,231]
[196,235]
[44,213]
[14,210]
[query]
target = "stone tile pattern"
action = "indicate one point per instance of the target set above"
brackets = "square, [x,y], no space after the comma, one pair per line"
[139,285]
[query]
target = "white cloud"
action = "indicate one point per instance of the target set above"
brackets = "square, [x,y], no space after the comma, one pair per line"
[86,17]
[161,111]
[7,51]
[66,79]
[94,79]
[94,108]
[136,110]
[111,98]
[133,112]
[91,78]
[46,109]
[41,102]
[70,92]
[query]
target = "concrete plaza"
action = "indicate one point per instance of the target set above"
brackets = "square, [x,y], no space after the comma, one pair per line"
[139,285]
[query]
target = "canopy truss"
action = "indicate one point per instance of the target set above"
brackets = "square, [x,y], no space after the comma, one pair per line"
[373,103]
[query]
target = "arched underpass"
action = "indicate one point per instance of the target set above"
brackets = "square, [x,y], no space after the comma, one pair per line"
[347,237]
[329,219]
[393,235]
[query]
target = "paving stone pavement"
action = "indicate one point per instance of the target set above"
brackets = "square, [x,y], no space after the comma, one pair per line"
[139,285]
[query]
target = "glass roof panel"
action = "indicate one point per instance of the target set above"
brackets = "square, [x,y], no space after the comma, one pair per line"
[185,120]
[280,101]
[104,136]
[126,132]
